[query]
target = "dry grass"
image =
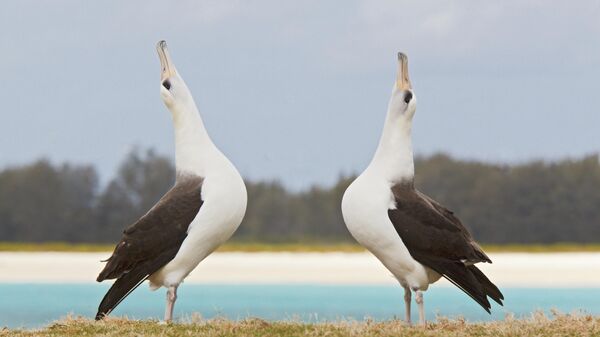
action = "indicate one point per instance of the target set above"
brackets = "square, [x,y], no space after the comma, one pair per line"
[290,247]
[537,325]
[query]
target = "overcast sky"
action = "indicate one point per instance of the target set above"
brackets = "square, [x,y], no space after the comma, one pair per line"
[297,91]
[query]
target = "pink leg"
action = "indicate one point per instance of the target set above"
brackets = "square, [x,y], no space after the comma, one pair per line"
[407,298]
[171,297]
[419,300]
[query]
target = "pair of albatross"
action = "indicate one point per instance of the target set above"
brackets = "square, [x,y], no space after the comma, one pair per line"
[417,239]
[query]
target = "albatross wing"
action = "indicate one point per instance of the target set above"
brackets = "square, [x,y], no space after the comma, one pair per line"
[437,239]
[151,242]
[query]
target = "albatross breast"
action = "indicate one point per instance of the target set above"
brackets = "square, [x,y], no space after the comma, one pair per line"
[224,203]
[364,206]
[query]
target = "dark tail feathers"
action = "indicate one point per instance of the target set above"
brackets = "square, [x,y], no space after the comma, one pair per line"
[128,281]
[469,279]
[122,287]
[489,288]
[475,284]
[109,270]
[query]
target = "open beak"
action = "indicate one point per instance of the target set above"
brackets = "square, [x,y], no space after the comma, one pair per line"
[403,81]
[166,65]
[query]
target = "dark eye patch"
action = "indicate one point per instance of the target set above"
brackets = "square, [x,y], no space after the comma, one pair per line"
[166,84]
[408,96]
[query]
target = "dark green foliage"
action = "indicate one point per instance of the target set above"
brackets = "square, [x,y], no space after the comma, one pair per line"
[41,202]
[141,180]
[535,202]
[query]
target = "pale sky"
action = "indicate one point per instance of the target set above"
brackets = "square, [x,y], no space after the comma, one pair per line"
[297,90]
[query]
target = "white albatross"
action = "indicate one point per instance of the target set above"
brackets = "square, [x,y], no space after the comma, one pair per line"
[417,239]
[201,211]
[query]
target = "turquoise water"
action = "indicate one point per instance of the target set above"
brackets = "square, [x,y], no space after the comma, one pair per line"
[35,305]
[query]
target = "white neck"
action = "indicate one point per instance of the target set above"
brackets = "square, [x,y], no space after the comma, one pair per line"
[194,150]
[394,156]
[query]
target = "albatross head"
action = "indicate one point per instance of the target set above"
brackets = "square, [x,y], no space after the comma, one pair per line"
[403,102]
[173,90]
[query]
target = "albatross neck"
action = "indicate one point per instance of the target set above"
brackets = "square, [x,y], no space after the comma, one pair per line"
[394,156]
[194,150]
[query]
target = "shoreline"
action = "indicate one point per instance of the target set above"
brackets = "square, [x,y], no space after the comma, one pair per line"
[539,270]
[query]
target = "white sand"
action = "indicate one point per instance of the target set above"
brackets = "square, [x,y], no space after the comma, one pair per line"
[508,270]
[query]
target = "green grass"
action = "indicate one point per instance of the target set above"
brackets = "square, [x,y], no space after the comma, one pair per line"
[289,247]
[538,325]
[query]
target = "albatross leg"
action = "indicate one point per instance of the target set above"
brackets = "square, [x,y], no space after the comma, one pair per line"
[419,300]
[407,297]
[171,297]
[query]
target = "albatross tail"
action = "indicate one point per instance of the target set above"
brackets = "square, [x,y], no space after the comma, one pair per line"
[489,288]
[122,287]
[475,284]
[470,280]
[127,282]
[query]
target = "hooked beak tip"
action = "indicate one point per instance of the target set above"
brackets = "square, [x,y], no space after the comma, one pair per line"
[162,44]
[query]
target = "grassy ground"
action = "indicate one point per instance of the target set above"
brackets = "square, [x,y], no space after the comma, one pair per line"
[288,247]
[538,325]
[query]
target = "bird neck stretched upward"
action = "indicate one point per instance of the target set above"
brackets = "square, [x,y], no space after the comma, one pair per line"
[394,156]
[194,150]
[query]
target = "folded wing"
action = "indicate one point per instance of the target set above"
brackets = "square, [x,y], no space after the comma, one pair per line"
[151,242]
[437,239]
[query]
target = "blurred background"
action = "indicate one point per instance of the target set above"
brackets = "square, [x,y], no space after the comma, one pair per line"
[544,202]
[295,94]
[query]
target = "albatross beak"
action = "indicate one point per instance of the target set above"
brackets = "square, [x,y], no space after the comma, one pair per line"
[166,65]
[402,81]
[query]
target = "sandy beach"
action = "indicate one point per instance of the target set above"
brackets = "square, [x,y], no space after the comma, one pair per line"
[566,270]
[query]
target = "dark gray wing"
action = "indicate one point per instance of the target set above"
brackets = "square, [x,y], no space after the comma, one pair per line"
[151,242]
[436,238]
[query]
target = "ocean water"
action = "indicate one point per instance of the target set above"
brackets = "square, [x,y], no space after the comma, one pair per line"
[36,305]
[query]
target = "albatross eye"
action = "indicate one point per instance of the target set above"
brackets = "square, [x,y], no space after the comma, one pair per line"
[166,84]
[408,96]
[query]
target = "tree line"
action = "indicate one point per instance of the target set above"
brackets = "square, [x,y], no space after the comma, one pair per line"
[533,202]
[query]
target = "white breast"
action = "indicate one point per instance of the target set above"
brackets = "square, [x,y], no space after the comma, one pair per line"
[365,208]
[225,198]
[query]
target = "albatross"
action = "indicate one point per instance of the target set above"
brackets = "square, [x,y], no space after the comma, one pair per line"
[201,211]
[417,239]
